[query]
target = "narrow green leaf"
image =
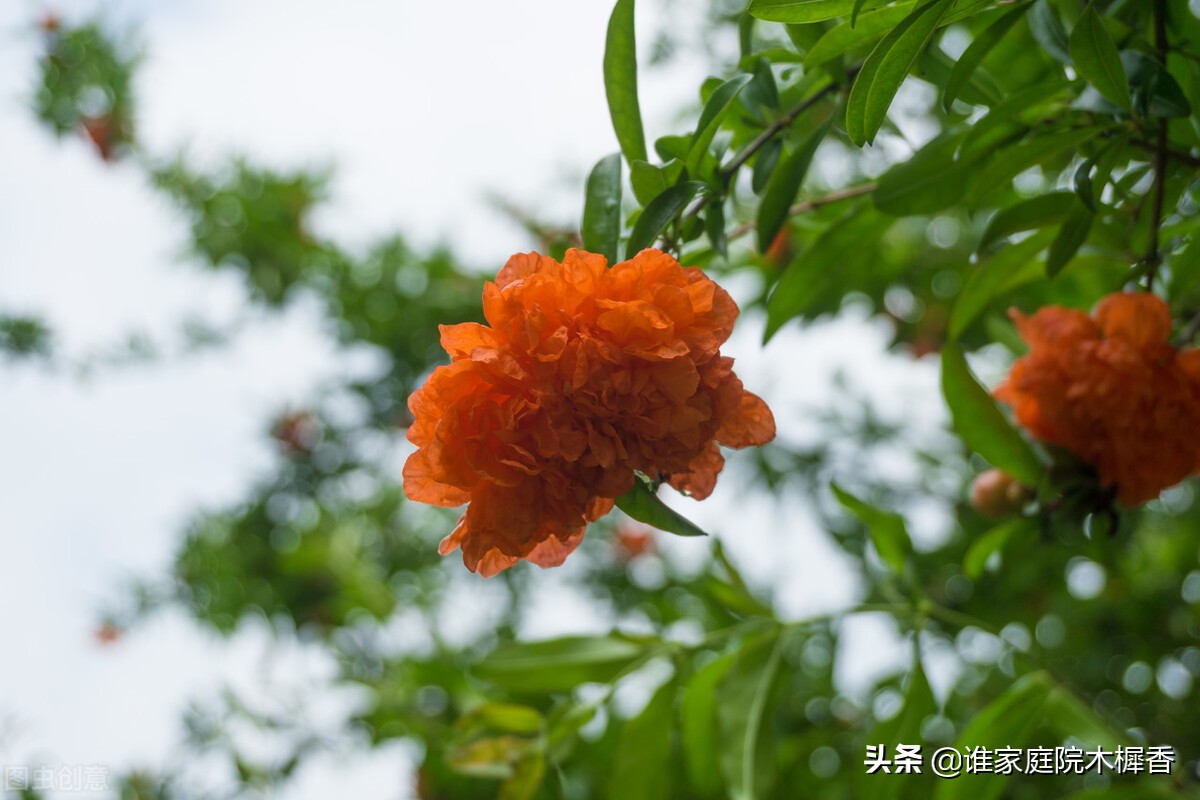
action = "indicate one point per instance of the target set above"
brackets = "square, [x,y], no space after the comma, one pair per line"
[764,165]
[1185,270]
[714,226]
[1097,60]
[698,726]
[761,95]
[659,213]
[644,505]
[1006,121]
[930,180]
[710,119]
[559,665]
[844,36]
[1071,236]
[527,777]
[887,529]
[905,727]
[742,709]
[886,68]
[1026,215]
[784,186]
[1007,269]
[644,750]
[810,275]
[1011,531]
[997,174]
[1048,31]
[506,717]
[602,209]
[981,425]
[798,11]
[620,81]
[1008,721]
[1156,93]
[973,56]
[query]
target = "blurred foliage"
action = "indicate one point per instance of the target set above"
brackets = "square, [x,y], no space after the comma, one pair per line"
[1017,167]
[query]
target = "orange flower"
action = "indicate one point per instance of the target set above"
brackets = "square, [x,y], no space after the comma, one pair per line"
[1112,390]
[583,375]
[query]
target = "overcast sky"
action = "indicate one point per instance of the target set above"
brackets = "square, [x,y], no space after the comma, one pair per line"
[423,111]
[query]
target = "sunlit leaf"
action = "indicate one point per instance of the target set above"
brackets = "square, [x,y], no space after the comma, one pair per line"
[798,11]
[742,710]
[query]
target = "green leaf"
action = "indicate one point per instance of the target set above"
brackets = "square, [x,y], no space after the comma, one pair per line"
[659,213]
[1071,236]
[1097,60]
[981,425]
[784,186]
[887,529]
[1185,270]
[798,11]
[742,711]
[930,180]
[526,778]
[807,277]
[602,209]
[620,82]
[761,95]
[505,717]
[698,726]
[648,181]
[1048,31]
[905,728]
[644,505]
[1013,266]
[844,36]
[886,68]
[1026,215]
[639,770]
[1008,721]
[973,56]
[1011,161]
[1156,93]
[994,541]
[710,119]
[714,226]
[559,665]
[764,165]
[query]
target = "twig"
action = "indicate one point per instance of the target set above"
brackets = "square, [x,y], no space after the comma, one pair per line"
[805,206]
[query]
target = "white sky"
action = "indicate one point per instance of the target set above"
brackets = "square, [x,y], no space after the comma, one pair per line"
[423,108]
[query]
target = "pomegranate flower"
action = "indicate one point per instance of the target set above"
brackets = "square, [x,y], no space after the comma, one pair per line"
[582,376]
[1111,389]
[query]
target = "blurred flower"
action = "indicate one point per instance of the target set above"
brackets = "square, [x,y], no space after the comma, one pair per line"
[297,432]
[107,634]
[995,494]
[105,134]
[1112,390]
[632,541]
[585,375]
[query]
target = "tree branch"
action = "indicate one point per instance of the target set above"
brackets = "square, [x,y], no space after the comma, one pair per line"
[805,206]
